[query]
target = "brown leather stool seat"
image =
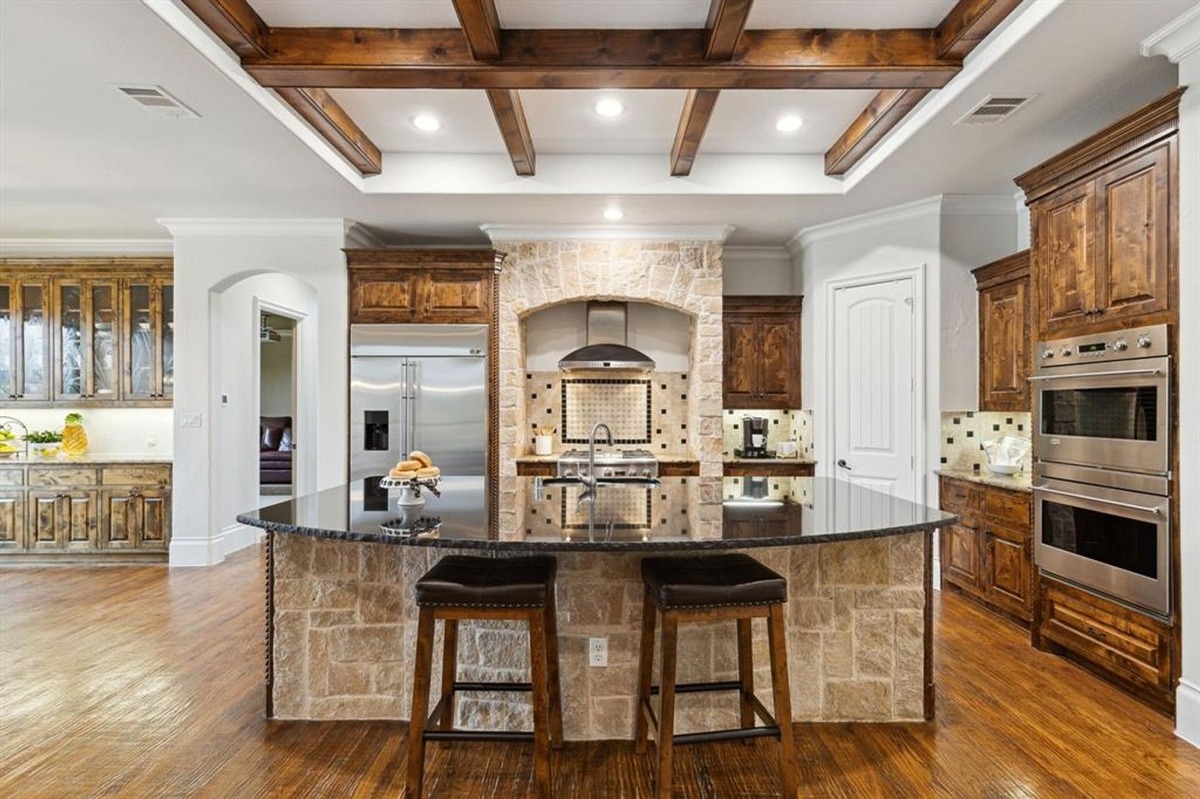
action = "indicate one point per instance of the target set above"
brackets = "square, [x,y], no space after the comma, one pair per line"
[464,587]
[706,588]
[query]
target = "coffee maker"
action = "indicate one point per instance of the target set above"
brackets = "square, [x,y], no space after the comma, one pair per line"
[754,438]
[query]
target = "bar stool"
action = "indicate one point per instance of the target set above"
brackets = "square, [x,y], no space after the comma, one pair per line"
[464,587]
[706,588]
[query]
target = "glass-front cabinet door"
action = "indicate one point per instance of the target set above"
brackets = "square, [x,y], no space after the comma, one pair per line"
[86,340]
[24,340]
[8,376]
[149,339]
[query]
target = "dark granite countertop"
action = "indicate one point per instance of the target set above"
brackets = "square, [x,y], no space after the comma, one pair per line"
[618,519]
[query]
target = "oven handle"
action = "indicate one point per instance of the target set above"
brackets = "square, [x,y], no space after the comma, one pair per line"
[1097,374]
[1128,505]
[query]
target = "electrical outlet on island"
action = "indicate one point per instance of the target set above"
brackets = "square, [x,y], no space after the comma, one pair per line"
[597,651]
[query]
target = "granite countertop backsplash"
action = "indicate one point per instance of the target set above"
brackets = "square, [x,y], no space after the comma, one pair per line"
[1016,482]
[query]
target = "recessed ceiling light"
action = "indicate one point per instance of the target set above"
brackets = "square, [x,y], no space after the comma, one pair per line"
[613,214]
[427,122]
[789,123]
[609,107]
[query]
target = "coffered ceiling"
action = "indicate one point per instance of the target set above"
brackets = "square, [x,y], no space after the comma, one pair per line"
[306,107]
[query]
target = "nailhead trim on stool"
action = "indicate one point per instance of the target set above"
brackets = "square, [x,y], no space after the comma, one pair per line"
[706,588]
[465,587]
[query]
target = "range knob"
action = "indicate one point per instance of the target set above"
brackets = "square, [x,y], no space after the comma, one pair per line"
[1065,351]
[1047,353]
[1144,340]
[1120,345]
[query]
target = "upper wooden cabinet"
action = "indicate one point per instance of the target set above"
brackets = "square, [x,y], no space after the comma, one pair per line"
[86,331]
[422,286]
[762,352]
[1104,226]
[1004,342]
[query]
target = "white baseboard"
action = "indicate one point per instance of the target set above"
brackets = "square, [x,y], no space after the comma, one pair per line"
[1187,712]
[238,536]
[193,552]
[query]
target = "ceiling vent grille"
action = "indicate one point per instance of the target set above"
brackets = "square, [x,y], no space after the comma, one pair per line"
[994,109]
[157,100]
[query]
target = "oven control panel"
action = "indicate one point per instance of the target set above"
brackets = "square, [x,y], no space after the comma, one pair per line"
[1119,345]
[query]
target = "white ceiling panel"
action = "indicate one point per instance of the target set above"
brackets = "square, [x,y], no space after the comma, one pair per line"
[602,13]
[565,121]
[744,121]
[357,13]
[385,115]
[874,14]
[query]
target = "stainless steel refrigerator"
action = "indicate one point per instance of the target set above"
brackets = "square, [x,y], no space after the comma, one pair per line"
[418,387]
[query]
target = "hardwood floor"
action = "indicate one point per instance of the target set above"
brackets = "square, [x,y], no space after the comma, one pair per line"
[138,681]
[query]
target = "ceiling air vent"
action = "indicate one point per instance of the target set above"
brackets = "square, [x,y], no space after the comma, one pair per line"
[158,100]
[994,109]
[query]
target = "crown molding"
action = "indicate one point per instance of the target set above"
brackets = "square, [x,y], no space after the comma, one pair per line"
[359,236]
[930,206]
[98,247]
[717,233]
[336,228]
[1178,39]
[977,205]
[777,253]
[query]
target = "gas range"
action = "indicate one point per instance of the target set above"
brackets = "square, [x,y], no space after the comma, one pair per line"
[610,463]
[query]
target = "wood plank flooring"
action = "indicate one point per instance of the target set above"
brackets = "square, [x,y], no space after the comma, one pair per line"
[138,681]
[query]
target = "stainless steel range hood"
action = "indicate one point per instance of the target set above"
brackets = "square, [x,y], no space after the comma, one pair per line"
[606,336]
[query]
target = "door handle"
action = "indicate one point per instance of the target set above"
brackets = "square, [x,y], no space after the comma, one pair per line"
[1115,503]
[842,463]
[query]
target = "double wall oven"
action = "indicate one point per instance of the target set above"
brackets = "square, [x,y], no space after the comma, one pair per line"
[1102,464]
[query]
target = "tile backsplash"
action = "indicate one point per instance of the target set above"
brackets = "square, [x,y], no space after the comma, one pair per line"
[963,431]
[796,489]
[783,426]
[649,411]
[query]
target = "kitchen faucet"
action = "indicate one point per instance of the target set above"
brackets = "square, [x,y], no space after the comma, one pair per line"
[592,449]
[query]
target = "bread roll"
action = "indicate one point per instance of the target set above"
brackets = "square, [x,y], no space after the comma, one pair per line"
[421,457]
[429,471]
[402,474]
[409,465]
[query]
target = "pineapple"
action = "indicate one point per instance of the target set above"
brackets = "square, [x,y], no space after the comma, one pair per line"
[74,437]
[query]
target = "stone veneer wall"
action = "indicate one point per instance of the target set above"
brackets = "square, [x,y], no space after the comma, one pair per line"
[682,275]
[345,629]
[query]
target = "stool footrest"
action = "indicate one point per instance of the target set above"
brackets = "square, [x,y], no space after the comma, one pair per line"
[493,686]
[478,735]
[700,687]
[725,735]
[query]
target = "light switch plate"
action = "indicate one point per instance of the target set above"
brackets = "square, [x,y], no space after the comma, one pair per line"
[191,420]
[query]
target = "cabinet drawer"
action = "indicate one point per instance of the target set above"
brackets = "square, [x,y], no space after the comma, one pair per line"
[62,476]
[12,476]
[1008,507]
[1006,533]
[961,497]
[151,475]
[1120,640]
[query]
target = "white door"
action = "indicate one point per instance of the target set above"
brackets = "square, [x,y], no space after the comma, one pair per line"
[874,358]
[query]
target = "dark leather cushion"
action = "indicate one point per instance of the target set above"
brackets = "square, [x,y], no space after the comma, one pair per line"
[712,580]
[467,581]
[271,431]
[275,459]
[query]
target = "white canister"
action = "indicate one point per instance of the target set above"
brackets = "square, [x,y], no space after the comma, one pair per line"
[541,445]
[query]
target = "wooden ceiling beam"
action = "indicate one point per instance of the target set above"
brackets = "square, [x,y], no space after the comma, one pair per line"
[330,120]
[967,24]
[598,59]
[726,22]
[235,22]
[481,25]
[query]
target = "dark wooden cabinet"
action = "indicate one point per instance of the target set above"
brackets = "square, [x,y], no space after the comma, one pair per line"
[762,352]
[1004,334]
[987,555]
[1104,226]
[422,286]
[769,467]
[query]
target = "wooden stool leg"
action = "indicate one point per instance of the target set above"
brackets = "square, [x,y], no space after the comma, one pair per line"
[645,666]
[420,706]
[666,715]
[746,673]
[449,674]
[541,715]
[783,702]
[556,723]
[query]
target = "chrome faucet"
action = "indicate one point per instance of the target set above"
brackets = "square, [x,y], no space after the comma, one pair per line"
[592,449]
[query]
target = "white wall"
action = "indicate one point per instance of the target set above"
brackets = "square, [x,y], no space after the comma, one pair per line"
[226,273]
[137,432]
[757,270]
[662,333]
[275,366]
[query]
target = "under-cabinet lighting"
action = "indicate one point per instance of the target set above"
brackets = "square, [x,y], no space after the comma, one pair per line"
[426,122]
[755,503]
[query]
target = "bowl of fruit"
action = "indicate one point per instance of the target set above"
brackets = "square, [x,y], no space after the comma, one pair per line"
[44,443]
[8,445]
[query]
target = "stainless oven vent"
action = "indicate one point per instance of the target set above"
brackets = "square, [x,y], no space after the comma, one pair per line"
[607,329]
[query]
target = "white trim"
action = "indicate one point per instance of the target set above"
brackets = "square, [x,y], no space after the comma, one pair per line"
[359,235]
[977,205]
[744,253]
[193,552]
[198,35]
[238,536]
[1176,40]
[82,247]
[920,422]
[595,232]
[1187,712]
[181,226]
[1015,27]
[861,222]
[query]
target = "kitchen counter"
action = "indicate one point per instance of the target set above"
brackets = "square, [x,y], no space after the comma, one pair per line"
[1017,482]
[675,464]
[85,459]
[342,621]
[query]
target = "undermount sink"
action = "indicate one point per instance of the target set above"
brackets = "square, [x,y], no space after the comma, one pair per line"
[649,482]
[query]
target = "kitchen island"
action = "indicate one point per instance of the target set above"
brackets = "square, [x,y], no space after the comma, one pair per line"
[342,623]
